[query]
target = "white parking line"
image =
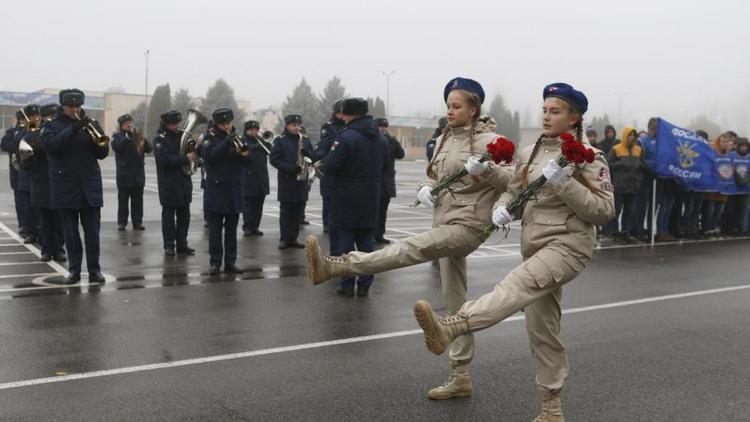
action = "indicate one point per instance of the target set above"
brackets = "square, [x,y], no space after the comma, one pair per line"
[33,249]
[14,253]
[321,344]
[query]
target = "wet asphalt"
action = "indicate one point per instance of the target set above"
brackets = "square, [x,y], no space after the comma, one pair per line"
[668,358]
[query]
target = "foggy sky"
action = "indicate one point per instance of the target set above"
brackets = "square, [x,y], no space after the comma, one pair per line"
[675,59]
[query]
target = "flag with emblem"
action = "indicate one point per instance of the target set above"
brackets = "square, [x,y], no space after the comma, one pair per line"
[686,157]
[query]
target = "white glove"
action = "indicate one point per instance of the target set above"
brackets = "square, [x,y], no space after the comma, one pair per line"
[425,197]
[501,217]
[475,167]
[555,174]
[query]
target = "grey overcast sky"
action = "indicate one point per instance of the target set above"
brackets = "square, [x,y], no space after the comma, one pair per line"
[676,59]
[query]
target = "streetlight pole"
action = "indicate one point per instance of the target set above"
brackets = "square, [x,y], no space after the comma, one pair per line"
[145,96]
[387,90]
[619,95]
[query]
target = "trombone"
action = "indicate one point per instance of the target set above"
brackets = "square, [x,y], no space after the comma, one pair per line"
[101,140]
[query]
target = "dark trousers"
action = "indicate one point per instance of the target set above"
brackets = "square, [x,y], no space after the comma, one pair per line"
[135,196]
[644,208]
[222,224]
[172,232]
[253,212]
[385,200]
[51,236]
[27,221]
[625,204]
[302,212]
[693,202]
[348,240]
[289,219]
[89,219]
[326,213]
[17,203]
[712,212]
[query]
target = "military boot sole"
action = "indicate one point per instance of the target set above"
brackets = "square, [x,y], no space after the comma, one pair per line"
[426,320]
[443,394]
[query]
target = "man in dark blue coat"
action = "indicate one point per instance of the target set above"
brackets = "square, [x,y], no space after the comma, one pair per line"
[292,183]
[129,149]
[7,144]
[329,133]
[394,152]
[50,222]
[29,220]
[256,179]
[223,198]
[356,162]
[175,186]
[76,182]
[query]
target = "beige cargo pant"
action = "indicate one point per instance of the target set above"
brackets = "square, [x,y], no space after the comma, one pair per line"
[536,287]
[451,244]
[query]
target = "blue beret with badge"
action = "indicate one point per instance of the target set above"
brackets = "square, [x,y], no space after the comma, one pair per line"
[568,94]
[464,84]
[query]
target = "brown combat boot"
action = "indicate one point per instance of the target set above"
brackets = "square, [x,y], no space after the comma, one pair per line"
[551,407]
[439,332]
[458,384]
[322,267]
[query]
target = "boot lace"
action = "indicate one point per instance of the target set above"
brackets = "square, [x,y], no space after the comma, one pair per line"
[335,259]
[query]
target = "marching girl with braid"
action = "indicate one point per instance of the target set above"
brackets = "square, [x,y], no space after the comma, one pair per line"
[557,240]
[458,220]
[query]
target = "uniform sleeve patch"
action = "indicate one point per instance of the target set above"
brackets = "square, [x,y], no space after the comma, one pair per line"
[603,174]
[333,147]
[606,187]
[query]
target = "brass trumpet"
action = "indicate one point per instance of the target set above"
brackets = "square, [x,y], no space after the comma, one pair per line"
[237,143]
[101,140]
[31,125]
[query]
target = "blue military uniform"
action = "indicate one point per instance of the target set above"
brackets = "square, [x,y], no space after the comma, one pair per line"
[356,162]
[131,176]
[50,222]
[329,134]
[223,198]
[388,184]
[75,183]
[20,180]
[256,184]
[7,145]
[175,188]
[292,193]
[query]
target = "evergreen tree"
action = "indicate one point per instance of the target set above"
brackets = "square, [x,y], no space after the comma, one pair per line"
[139,114]
[508,123]
[598,124]
[161,101]
[704,123]
[332,92]
[182,101]
[222,95]
[302,101]
[376,106]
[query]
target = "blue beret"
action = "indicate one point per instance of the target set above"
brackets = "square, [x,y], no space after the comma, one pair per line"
[467,85]
[568,94]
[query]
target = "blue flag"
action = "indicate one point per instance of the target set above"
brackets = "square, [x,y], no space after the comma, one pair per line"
[686,157]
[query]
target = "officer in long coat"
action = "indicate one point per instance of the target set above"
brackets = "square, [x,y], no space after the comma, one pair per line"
[256,184]
[329,133]
[76,182]
[388,186]
[130,149]
[286,157]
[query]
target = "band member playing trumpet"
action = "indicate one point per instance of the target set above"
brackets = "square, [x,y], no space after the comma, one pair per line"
[287,155]
[6,144]
[129,146]
[50,223]
[175,186]
[225,155]
[76,180]
[29,129]
[256,184]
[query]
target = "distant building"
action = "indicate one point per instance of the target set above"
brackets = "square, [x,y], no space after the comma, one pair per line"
[413,133]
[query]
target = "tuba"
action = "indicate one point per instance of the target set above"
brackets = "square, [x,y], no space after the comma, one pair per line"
[188,143]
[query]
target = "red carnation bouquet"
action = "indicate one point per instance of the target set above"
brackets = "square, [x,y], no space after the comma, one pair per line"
[501,150]
[573,152]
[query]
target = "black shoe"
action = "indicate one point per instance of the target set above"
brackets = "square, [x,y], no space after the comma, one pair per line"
[169,251]
[206,225]
[72,279]
[257,233]
[186,251]
[248,233]
[382,240]
[215,269]
[362,291]
[45,257]
[138,227]
[305,223]
[345,291]
[297,245]
[120,227]
[29,240]
[60,257]
[283,245]
[232,269]
[97,278]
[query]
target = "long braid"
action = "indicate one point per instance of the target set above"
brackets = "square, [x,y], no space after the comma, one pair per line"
[576,172]
[525,174]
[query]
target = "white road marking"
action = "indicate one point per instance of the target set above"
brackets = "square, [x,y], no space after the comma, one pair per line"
[33,249]
[321,344]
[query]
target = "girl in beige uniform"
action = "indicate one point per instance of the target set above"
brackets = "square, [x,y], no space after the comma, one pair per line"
[557,240]
[458,220]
